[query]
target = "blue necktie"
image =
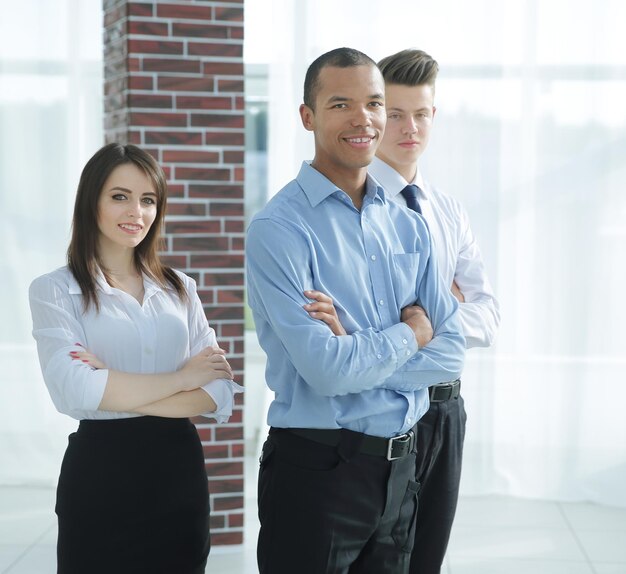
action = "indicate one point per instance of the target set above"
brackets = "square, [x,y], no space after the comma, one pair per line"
[410,194]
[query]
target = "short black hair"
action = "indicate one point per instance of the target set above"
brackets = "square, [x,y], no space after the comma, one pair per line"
[339,58]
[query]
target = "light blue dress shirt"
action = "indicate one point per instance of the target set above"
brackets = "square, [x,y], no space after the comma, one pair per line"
[372,263]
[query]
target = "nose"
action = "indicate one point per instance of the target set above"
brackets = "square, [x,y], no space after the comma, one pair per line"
[134,209]
[410,126]
[362,117]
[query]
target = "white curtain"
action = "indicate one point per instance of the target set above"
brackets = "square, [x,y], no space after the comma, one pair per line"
[50,124]
[530,136]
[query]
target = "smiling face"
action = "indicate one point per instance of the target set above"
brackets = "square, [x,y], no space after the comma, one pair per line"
[127,208]
[410,113]
[348,120]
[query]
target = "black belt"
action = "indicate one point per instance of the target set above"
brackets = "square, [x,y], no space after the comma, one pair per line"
[445,391]
[391,448]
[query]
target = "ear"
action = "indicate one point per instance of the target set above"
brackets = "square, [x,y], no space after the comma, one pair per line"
[308,117]
[434,111]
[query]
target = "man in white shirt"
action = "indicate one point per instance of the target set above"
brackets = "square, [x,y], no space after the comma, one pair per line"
[409,92]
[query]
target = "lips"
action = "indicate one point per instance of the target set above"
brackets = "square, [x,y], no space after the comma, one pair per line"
[130,227]
[360,140]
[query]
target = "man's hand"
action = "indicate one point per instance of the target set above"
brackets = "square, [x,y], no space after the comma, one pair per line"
[323,309]
[457,292]
[415,317]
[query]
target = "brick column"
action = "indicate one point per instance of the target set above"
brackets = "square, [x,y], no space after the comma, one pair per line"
[174,86]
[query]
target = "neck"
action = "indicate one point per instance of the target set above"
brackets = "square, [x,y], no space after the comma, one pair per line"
[407,171]
[119,262]
[350,181]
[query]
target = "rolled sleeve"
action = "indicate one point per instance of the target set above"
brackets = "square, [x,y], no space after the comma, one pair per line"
[73,386]
[223,392]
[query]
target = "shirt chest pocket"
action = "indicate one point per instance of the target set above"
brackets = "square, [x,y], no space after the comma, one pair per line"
[405,277]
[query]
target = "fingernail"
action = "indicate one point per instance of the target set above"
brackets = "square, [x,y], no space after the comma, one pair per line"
[84,360]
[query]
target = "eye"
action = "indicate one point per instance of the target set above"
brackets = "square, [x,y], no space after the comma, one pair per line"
[119,197]
[149,200]
[394,116]
[340,106]
[377,104]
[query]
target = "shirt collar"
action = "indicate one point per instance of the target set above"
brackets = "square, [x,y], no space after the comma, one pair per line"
[149,285]
[393,182]
[317,187]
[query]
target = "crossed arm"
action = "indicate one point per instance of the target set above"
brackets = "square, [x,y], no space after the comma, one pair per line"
[176,394]
[323,309]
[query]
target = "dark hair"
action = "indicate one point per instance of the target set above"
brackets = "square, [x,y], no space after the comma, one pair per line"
[338,58]
[82,254]
[409,68]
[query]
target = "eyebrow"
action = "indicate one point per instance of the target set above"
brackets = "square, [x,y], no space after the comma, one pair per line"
[334,99]
[396,109]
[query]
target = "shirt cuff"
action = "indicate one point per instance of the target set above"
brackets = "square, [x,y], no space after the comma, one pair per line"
[403,340]
[222,391]
[94,389]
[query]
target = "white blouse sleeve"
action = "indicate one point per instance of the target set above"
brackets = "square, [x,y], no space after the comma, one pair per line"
[222,391]
[73,385]
[479,314]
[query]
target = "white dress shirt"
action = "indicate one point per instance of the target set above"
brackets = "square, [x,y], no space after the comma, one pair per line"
[157,336]
[457,251]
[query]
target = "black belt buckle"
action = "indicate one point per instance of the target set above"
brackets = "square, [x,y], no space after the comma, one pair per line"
[444,391]
[403,442]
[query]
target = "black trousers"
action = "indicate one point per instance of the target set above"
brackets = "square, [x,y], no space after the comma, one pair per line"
[133,499]
[440,436]
[323,512]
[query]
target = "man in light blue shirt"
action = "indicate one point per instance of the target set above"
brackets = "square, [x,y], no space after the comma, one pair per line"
[337,488]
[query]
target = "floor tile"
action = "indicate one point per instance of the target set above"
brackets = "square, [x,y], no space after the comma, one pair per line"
[9,554]
[40,559]
[241,562]
[586,516]
[609,567]
[507,543]
[517,566]
[603,546]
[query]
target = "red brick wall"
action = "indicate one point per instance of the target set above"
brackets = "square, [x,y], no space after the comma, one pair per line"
[174,85]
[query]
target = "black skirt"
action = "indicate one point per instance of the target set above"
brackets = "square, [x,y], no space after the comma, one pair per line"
[133,497]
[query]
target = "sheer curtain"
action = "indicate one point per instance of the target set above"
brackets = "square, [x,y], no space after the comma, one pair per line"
[50,124]
[530,136]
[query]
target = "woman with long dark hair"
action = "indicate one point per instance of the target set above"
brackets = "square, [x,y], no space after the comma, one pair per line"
[125,348]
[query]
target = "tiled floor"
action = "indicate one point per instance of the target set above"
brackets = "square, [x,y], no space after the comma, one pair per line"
[492,535]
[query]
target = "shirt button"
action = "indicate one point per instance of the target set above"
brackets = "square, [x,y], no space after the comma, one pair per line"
[381,302]
[379,356]
[408,353]
[373,257]
[405,341]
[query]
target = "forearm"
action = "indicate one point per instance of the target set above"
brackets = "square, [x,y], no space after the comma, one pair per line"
[335,366]
[180,405]
[125,392]
[440,361]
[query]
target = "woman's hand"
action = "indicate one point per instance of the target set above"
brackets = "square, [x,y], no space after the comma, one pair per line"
[323,309]
[88,358]
[208,365]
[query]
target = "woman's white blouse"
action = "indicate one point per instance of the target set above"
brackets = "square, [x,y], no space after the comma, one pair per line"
[158,336]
